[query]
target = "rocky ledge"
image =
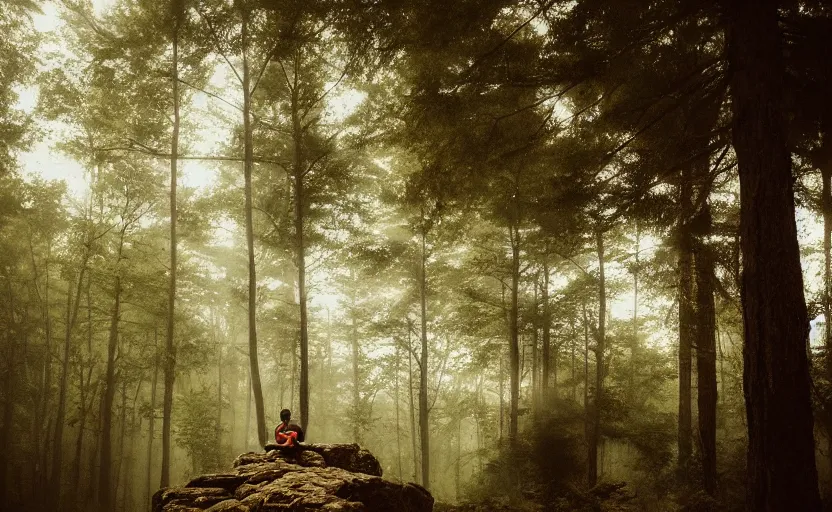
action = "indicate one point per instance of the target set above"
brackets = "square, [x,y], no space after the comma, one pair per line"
[315,477]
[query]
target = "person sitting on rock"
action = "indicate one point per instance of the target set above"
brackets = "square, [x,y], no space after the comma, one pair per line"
[288,433]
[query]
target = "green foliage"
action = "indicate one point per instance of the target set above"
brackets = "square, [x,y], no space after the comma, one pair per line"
[197,431]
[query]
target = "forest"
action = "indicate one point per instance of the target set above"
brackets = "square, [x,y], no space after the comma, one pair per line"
[526,252]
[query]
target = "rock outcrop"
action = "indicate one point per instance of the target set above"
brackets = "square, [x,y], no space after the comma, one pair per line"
[316,477]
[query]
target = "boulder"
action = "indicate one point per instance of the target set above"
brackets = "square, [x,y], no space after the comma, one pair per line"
[325,477]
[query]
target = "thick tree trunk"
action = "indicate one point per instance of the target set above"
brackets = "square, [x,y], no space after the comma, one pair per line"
[105,488]
[687,320]
[424,412]
[781,451]
[598,401]
[170,346]
[248,163]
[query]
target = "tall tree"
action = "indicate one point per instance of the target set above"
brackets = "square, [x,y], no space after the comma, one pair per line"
[781,450]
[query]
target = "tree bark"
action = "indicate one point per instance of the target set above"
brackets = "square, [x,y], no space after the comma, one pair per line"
[356,374]
[781,451]
[706,362]
[514,332]
[104,469]
[412,405]
[398,414]
[152,419]
[424,412]
[177,11]
[300,251]
[687,320]
[598,401]
[547,334]
[248,163]
[8,405]
[57,445]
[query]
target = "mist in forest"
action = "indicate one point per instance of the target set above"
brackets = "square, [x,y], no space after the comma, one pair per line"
[531,254]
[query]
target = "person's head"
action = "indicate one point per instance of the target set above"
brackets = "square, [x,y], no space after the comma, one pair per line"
[285,415]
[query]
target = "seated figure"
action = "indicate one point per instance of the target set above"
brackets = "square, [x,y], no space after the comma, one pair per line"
[288,433]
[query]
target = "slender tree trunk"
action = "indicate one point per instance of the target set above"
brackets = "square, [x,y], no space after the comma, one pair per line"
[177,10]
[120,461]
[300,249]
[598,401]
[706,363]
[8,410]
[634,349]
[424,427]
[152,419]
[219,383]
[781,451]
[105,487]
[57,445]
[412,405]
[687,320]
[398,414]
[252,275]
[547,335]
[356,375]
[514,337]
[248,413]
[535,355]
[502,393]
[79,442]
[46,383]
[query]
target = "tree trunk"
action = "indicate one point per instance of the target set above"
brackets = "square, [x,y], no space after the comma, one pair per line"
[514,341]
[781,451]
[122,429]
[42,408]
[706,362]
[398,414]
[687,319]
[547,335]
[83,412]
[8,411]
[598,401]
[104,469]
[424,428]
[248,412]
[300,250]
[170,347]
[412,405]
[152,419]
[252,275]
[634,349]
[57,444]
[356,374]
